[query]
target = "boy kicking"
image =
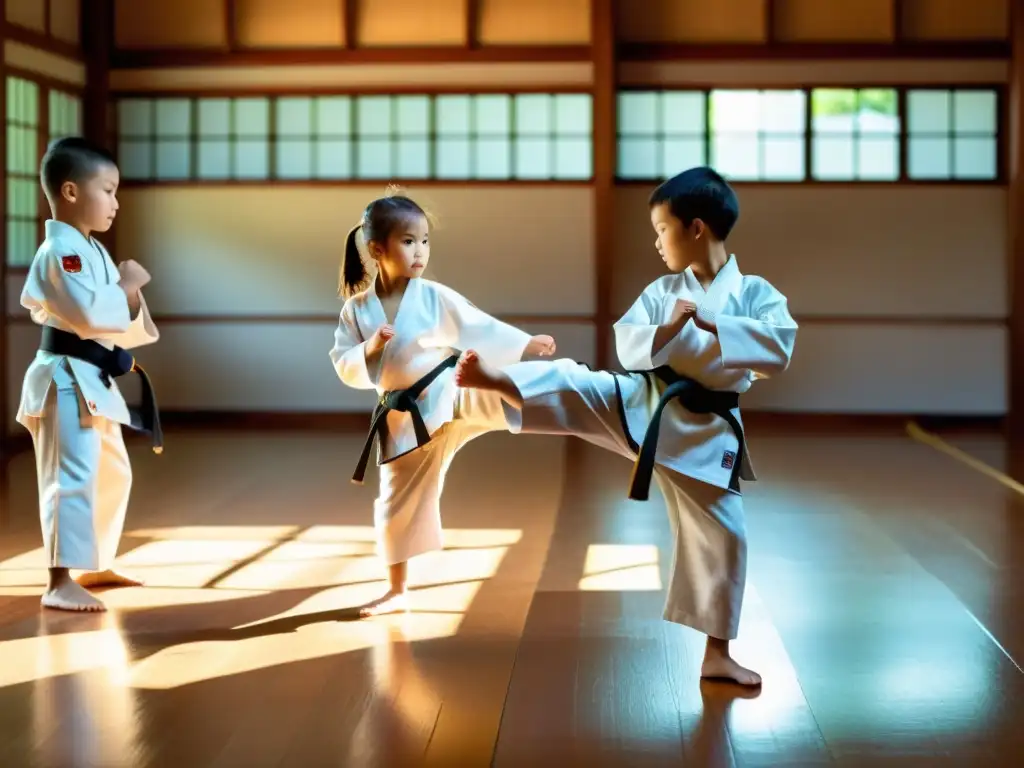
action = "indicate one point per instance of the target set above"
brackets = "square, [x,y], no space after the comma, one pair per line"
[692,343]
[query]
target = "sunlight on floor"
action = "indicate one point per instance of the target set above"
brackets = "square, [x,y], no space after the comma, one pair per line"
[315,572]
[621,568]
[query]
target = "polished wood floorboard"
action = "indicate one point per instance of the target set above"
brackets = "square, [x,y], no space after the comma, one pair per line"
[884,608]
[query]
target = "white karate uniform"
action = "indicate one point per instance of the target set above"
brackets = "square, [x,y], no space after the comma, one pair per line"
[432,323]
[82,467]
[696,452]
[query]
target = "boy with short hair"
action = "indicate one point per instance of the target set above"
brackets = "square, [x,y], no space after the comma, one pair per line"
[90,311]
[692,342]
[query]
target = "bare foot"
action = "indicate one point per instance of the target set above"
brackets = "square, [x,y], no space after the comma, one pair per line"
[108,578]
[391,602]
[719,666]
[69,596]
[473,373]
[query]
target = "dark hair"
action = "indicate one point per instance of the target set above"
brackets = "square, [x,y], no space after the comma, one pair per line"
[71,158]
[381,217]
[700,193]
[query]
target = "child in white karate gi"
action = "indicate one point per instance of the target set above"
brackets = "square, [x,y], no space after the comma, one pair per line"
[401,334]
[90,311]
[691,344]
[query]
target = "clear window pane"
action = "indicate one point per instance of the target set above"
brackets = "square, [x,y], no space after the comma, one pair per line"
[928,158]
[374,116]
[294,158]
[252,117]
[975,112]
[878,111]
[135,158]
[975,158]
[639,158]
[533,114]
[492,115]
[294,117]
[735,111]
[334,116]
[638,113]
[413,158]
[533,158]
[374,159]
[173,118]
[252,158]
[783,159]
[173,159]
[453,115]
[214,158]
[334,159]
[135,118]
[682,154]
[493,159]
[452,159]
[929,111]
[736,156]
[573,114]
[782,111]
[413,117]
[683,113]
[214,117]
[879,158]
[573,159]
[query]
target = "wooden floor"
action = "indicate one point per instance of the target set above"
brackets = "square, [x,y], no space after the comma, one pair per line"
[885,609]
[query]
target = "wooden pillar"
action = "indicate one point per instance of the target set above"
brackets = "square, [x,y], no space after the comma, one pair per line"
[1015,261]
[97,44]
[603,48]
[5,441]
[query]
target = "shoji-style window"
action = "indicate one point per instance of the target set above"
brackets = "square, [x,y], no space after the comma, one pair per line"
[855,134]
[952,134]
[499,137]
[64,114]
[23,156]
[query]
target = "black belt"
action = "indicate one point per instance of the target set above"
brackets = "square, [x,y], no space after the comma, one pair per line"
[696,399]
[112,363]
[403,400]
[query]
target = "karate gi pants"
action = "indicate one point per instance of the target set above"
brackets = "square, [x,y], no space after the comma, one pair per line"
[407,511]
[84,477]
[709,558]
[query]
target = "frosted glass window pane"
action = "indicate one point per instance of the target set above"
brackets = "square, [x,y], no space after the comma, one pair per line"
[453,115]
[879,111]
[22,101]
[832,157]
[12,197]
[334,116]
[22,150]
[135,158]
[783,111]
[573,159]
[735,111]
[492,115]
[413,115]
[294,117]
[493,159]
[533,158]
[29,197]
[452,160]
[374,114]
[12,149]
[683,113]
[879,158]
[214,158]
[173,118]
[294,158]
[975,158]
[928,158]
[974,112]
[783,159]
[374,159]
[928,111]
[334,159]
[173,159]
[135,117]
[682,154]
[533,114]
[573,114]
[252,159]
[413,158]
[638,158]
[737,156]
[214,117]
[252,117]
[638,113]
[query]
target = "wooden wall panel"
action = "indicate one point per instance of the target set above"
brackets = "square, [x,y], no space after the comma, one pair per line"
[534,22]
[170,24]
[411,22]
[680,21]
[295,24]
[26,13]
[869,21]
[65,20]
[956,19]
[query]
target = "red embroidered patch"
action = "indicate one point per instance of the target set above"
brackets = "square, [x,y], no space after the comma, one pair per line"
[728,459]
[71,263]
